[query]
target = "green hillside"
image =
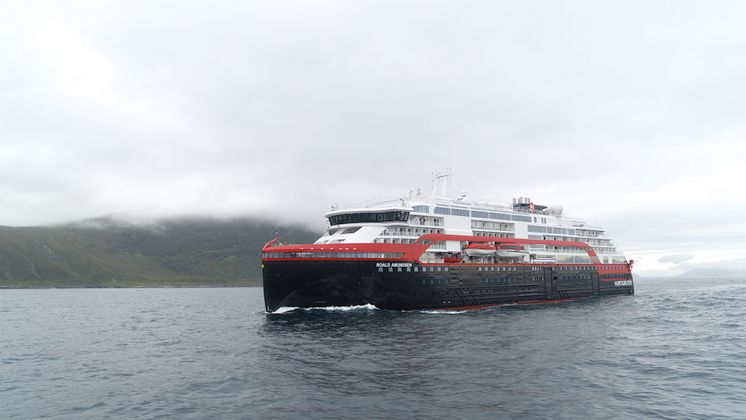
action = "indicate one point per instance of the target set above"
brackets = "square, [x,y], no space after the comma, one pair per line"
[104,253]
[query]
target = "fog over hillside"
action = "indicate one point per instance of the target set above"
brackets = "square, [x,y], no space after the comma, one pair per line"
[107,252]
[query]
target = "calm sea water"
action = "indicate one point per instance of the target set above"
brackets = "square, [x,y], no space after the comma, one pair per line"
[677,349]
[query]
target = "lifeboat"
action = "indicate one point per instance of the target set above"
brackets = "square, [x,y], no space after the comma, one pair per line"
[479,250]
[511,251]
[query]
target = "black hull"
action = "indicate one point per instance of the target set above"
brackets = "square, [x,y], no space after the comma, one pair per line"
[408,286]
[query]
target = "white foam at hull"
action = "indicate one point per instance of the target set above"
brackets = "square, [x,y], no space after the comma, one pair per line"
[286,309]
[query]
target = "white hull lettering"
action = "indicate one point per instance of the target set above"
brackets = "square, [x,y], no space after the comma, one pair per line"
[394,265]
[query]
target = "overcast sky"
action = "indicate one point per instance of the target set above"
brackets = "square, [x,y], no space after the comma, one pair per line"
[631,115]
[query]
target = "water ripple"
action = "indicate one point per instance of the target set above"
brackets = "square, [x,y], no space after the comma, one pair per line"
[673,350]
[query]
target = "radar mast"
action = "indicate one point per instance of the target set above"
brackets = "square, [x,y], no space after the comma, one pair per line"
[441,180]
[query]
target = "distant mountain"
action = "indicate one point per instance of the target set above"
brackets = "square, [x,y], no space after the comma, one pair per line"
[108,253]
[714,272]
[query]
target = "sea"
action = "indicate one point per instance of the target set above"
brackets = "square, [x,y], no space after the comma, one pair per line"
[676,349]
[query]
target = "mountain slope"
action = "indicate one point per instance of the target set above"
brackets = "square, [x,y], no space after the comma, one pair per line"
[104,253]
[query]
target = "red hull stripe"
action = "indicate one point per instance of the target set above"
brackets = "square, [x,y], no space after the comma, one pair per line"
[607,270]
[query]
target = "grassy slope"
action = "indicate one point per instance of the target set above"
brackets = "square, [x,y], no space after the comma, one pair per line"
[105,254]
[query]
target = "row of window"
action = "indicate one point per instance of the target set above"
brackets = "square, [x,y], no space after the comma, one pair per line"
[505,291]
[480,224]
[588,233]
[481,214]
[615,276]
[408,231]
[595,243]
[481,268]
[377,255]
[578,277]
[507,280]
[385,216]
[452,211]
[393,241]
[498,268]
[410,269]
[592,242]
[561,268]
[500,216]
[572,259]
[613,267]
[548,229]
[496,235]
[436,245]
[434,282]
[421,209]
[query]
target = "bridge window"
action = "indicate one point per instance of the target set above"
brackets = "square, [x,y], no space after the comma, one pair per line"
[376,217]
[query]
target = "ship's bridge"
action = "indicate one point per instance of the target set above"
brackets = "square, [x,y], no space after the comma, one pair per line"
[343,217]
[363,225]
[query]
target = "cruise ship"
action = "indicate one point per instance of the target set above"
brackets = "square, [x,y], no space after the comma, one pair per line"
[439,252]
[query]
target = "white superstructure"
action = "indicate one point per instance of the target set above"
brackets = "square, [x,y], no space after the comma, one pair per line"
[406,219]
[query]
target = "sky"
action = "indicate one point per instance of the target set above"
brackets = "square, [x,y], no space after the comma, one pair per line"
[629,114]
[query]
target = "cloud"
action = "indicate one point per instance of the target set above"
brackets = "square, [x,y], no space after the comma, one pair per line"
[676,258]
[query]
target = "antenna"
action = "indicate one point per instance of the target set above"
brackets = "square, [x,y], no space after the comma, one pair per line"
[441,180]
